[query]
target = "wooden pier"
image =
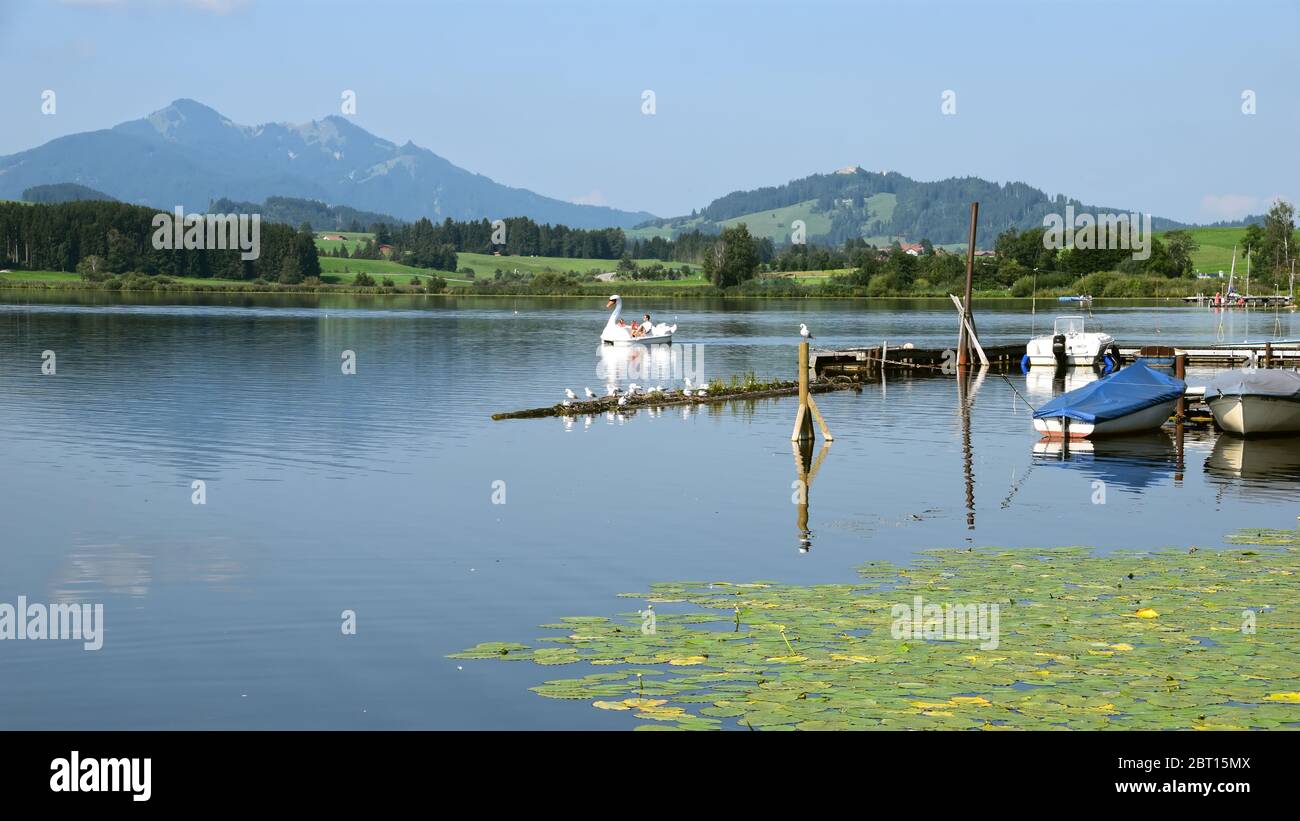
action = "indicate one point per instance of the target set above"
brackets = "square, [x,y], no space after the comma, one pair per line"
[869,362]
[1254,301]
[1234,355]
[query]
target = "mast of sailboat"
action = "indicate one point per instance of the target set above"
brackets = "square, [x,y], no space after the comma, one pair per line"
[1247,294]
[1232,272]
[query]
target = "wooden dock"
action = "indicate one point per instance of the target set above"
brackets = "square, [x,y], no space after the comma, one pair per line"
[868,362]
[1254,301]
[1233,355]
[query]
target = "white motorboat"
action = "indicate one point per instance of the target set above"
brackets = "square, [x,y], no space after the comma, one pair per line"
[1132,400]
[1255,401]
[1071,344]
[620,333]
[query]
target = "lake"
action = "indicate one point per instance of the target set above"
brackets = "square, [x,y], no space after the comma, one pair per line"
[380,492]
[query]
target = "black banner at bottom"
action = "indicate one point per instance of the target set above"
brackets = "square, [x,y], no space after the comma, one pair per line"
[144,770]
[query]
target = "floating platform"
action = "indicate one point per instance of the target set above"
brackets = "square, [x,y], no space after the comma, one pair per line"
[665,399]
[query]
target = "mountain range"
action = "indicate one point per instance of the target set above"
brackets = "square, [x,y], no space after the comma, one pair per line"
[188,154]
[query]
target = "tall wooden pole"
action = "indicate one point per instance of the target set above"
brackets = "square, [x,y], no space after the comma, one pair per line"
[1180,372]
[808,410]
[963,342]
[803,423]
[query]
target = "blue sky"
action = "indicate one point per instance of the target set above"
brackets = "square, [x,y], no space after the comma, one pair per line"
[1130,105]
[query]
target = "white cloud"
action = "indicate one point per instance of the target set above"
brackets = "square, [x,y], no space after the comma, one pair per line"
[595,197]
[1229,206]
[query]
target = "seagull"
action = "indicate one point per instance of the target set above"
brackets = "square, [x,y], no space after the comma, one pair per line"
[687,381]
[569,393]
[590,393]
[622,400]
[702,393]
[804,332]
[566,403]
[613,391]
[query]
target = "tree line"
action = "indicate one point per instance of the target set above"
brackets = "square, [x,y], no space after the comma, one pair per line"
[99,239]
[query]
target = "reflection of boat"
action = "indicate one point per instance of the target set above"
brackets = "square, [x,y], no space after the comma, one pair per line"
[1070,344]
[1041,384]
[1134,399]
[1132,461]
[1251,401]
[634,362]
[621,334]
[1276,460]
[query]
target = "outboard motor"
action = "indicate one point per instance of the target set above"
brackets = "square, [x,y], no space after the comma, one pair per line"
[1058,350]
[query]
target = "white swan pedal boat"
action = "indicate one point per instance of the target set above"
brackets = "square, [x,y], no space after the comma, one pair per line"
[616,334]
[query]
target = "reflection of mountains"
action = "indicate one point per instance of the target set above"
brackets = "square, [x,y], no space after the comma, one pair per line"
[1134,462]
[1261,463]
[130,570]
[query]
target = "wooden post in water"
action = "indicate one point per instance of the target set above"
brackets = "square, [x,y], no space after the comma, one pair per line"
[968,318]
[1268,354]
[1180,371]
[803,419]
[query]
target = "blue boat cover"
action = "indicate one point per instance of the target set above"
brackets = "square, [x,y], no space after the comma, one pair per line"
[1130,389]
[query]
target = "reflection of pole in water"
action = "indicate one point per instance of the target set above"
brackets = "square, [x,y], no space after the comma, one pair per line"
[805,468]
[1178,451]
[968,460]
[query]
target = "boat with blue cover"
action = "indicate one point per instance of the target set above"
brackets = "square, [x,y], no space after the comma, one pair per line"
[1133,399]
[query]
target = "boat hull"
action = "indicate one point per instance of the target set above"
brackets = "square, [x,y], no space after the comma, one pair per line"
[663,339]
[1079,349]
[1248,415]
[1150,418]
[1073,360]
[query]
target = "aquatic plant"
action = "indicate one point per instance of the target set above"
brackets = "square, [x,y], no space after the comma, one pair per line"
[1177,639]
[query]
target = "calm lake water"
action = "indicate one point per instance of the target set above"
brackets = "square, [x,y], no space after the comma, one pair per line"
[373,492]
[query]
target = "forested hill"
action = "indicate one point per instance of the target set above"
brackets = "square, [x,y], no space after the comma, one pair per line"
[854,202]
[63,192]
[296,211]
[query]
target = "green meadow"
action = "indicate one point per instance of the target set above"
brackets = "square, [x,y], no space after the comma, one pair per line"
[1215,253]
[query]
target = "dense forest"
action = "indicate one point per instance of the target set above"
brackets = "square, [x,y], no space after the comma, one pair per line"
[99,239]
[298,211]
[63,192]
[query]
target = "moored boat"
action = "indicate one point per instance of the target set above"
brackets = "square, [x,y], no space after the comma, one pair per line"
[1070,344]
[1134,399]
[1255,401]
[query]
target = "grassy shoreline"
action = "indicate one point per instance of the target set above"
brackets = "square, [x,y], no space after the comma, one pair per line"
[767,288]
